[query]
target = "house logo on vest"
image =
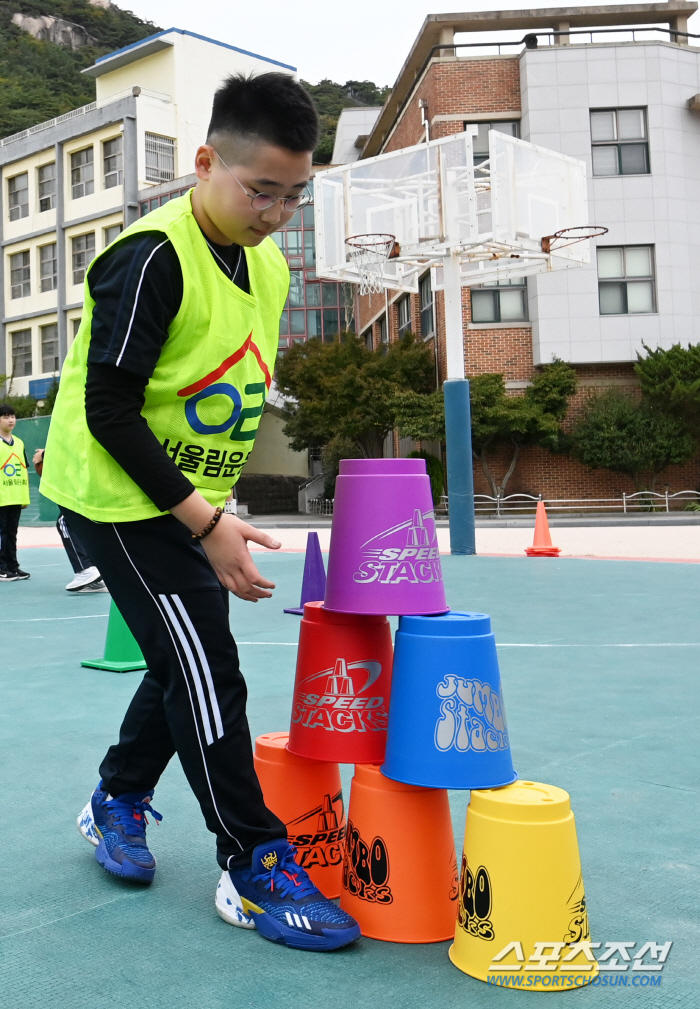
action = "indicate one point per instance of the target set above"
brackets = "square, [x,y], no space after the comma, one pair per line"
[366,868]
[318,834]
[339,699]
[14,467]
[208,387]
[407,552]
[471,716]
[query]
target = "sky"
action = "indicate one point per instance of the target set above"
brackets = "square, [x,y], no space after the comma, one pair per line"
[335,39]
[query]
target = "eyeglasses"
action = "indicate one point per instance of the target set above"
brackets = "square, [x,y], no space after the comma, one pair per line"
[263,201]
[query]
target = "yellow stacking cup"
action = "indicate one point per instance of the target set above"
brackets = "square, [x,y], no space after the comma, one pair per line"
[522,920]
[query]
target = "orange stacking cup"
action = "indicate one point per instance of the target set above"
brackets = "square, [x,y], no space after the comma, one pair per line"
[400,870]
[307,796]
[343,683]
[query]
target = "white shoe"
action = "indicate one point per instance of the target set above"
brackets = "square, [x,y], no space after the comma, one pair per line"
[228,903]
[98,586]
[84,578]
[86,825]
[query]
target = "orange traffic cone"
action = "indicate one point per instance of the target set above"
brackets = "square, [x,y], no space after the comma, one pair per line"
[542,543]
[305,794]
[400,873]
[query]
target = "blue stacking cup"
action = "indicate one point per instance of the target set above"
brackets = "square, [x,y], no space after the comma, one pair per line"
[447,725]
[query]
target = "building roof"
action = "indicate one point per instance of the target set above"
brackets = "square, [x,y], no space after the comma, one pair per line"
[354,127]
[153,44]
[440,29]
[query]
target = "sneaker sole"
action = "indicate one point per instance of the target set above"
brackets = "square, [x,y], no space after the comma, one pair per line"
[273,930]
[124,870]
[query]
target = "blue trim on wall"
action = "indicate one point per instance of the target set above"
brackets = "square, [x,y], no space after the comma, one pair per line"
[194,35]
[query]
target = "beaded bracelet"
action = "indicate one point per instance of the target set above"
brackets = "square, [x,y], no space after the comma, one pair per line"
[210,525]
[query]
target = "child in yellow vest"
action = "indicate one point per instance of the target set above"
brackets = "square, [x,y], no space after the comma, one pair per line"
[14,494]
[160,398]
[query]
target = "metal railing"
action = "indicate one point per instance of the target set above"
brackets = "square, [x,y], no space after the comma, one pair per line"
[319,506]
[159,95]
[645,501]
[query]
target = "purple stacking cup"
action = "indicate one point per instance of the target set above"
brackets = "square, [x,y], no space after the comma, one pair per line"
[384,556]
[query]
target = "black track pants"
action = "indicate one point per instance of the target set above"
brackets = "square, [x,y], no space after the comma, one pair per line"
[9,523]
[192,699]
[79,560]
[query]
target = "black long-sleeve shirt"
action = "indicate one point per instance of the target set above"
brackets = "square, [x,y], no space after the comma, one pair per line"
[137,288]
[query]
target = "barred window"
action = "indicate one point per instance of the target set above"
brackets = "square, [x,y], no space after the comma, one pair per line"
[18,196]
[82,173]
[160,158]
[46,178]
[404,316]
[49,348]
[112,159]
[21,352]
[48,268]
[20,275]
[83,254]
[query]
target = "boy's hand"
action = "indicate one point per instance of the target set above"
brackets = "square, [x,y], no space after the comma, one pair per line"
[226,546]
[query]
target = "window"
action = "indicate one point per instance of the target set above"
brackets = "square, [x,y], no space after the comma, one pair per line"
[504,301]
[46,177]
[18,192]
[76,326]
[21,352]
[427,316]
[82,173]
[160,158]
[112,160]
[619,142]
[48,268]
[83,254]
[626,280]
[20,276]
[296,289]
[49,348]
[404,316]
[368,338]
[383,330]
[481,140]
[112,232]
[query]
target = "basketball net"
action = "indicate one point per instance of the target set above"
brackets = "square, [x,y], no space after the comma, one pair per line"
[369,253]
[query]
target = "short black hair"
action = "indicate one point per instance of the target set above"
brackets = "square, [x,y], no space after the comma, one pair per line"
[270,107]
[7,410]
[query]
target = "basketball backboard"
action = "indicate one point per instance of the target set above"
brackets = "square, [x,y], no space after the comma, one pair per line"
[436,203]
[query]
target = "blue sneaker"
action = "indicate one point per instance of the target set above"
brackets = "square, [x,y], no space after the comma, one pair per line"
[285,905]
[117,829]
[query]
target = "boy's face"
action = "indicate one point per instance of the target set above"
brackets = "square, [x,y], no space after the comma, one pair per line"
[227,205]
[7,423]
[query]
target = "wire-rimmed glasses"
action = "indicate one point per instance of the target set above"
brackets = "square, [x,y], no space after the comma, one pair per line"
[263,201]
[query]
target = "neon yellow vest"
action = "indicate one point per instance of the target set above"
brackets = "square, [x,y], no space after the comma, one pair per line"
[14,479]
[206,396]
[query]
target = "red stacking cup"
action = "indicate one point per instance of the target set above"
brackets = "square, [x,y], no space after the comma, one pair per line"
[343,683]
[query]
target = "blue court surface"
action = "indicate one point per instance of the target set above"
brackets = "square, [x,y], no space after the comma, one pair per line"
[599,661]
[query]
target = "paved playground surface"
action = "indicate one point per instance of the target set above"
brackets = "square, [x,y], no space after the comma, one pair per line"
[599,661]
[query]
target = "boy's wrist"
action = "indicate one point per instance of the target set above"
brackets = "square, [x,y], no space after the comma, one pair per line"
[195,512]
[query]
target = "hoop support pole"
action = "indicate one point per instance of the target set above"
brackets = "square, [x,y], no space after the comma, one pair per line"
[458,427]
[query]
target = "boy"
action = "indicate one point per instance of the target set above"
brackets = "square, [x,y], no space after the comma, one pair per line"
[162,392]
[14,494]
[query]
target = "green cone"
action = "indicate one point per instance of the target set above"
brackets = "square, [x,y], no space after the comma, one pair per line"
[122,653]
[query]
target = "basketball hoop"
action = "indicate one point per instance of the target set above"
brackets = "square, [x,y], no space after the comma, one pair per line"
[369,253]
[569,236]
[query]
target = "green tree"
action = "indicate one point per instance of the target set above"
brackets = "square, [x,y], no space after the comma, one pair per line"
[40,80]
[346,391]
[331,98]
[622,434]
[670,382]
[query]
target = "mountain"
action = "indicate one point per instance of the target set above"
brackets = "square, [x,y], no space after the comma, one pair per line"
[40,78]
[44,44]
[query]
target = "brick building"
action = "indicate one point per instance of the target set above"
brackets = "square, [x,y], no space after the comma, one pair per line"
[629,107]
